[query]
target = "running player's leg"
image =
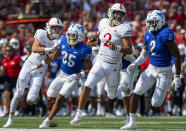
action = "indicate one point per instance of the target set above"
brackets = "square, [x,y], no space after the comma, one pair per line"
[164,79]
[95,75]
[65,91]
[54,89]
[22,82]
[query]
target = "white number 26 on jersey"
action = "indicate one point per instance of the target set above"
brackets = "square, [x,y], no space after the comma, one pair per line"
[152,45]
[68,59]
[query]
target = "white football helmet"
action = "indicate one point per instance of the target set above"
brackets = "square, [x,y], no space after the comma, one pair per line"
[54,22]
[116,7]
[155,20]
[14,43]
[75,34]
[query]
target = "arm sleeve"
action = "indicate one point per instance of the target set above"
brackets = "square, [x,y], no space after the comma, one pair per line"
[141,59]
[126,30]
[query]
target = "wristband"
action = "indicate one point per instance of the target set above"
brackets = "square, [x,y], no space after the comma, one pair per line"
[43,63]
[47,50]
[82,74]
[118,48]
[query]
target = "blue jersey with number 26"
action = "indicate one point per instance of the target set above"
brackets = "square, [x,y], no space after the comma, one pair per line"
[73,57]
[159,53]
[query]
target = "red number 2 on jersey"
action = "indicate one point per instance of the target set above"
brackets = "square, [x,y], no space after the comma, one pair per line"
[109,38]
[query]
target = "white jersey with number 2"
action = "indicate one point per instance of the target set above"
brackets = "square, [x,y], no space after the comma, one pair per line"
[114,35]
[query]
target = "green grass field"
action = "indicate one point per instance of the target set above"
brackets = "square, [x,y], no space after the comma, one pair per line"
[143,123]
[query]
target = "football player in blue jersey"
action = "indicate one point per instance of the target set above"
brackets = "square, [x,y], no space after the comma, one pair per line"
[160,45]
[75,65]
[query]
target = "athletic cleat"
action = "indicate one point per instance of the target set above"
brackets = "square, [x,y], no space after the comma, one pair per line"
[44,125]
[127,120]
[129,126]
[75,122]
[8,123]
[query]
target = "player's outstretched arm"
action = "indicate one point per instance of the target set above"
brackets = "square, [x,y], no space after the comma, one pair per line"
[37,48]
[143,56]
[47,60]
[173,49]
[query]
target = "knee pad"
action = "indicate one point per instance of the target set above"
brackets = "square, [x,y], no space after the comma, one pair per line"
[32,98]
[126,91]
[20,86]
[156,103]
[68,88]
[158,98]
[111,91]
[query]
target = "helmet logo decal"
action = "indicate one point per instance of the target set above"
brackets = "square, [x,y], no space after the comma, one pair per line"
[160,14]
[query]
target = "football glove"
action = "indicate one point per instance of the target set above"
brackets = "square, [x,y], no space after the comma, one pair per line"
[176,83]
[132,68]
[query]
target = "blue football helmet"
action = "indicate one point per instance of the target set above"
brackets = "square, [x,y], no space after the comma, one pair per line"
[155,20]
[75,34]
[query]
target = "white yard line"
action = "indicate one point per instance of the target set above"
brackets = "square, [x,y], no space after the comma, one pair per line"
[152,122]
[67,117]
[12,129]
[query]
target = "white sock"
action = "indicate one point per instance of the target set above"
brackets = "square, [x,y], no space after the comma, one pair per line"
[128,118]
[98,106]
[132,117]
[47,120]
[10,116]
[4,109]
[78,114]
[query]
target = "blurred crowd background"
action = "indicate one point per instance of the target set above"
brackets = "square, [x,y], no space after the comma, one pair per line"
[87,13]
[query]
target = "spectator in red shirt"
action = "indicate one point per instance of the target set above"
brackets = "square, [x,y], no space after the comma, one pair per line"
[11,67]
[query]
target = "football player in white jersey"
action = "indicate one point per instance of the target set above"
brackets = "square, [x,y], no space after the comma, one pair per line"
[45,43]
[115,37]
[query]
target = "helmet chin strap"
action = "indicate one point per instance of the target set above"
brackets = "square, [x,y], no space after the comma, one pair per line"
[116,22]
[72,42]
[151,29]
[55,35]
